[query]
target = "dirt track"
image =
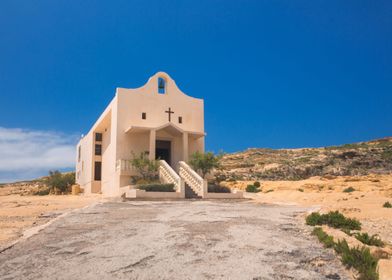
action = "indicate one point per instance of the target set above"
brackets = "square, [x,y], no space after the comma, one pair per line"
[173,240]
[19,213]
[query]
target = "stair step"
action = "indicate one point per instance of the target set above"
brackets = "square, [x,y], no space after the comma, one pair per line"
[190,193]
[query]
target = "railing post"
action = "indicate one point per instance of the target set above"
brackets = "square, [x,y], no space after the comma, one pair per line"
[182,187]
[205,187]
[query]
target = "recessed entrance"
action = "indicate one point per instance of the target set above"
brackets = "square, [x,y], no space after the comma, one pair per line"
[163,150]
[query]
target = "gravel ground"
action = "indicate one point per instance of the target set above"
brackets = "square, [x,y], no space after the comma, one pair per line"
[190,239]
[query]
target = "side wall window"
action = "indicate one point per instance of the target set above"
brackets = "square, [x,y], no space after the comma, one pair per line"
[98,137]
[98,149]
[161,85]
[97,170]
[79,153]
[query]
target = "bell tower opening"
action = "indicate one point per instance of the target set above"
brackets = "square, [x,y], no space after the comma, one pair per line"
[161,85]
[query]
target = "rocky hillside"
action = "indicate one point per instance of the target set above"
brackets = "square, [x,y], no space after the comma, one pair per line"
[33,187]
[295,164]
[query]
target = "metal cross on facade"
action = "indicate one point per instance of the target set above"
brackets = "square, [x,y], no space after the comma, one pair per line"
[169,112]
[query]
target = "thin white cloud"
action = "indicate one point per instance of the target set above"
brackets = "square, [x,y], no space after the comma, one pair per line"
[26,154]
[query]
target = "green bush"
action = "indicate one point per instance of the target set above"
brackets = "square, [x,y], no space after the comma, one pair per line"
[387,205]
[252,189]
[255,188]
[358,258]
[218,189]
[61,182]
[146,168]
[146,182]
[323,237]
[157,187]
[365,238]
[42,192]
[333,219]
[314,219]
[204,163]
[348,190]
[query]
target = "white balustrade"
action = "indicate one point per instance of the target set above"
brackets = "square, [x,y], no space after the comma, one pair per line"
[194,180]
[124,166]
[169,176]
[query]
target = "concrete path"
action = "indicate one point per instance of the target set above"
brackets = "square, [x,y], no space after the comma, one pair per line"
[173,240]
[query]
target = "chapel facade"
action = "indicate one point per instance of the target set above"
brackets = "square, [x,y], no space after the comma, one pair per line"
[157,118]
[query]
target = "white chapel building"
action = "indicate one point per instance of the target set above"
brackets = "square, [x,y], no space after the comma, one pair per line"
[157,118]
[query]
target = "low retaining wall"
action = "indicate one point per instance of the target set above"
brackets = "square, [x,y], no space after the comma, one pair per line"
[136,193]
[238,194]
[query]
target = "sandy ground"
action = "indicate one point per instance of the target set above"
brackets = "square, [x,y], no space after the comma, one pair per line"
[174,240]
[326,194]
[18,213]
[365,203]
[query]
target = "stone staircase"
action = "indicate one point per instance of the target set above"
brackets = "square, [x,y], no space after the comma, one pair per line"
[193,181]
[187,181]
[190,193]
[188,184]
[169,176]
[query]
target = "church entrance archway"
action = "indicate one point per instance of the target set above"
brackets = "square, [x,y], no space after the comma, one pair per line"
[163,150]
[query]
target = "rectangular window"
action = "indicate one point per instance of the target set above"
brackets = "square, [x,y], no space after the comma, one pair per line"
[179,119]
[97,170]
[98,137]
[79,152]
[144,116]
[98,149]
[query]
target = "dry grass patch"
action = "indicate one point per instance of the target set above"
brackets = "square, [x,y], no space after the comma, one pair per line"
[333,219]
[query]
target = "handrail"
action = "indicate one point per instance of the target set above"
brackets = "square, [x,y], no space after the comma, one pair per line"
[194,180]
[124,165]
[168,175]
[191,171]
[167,167]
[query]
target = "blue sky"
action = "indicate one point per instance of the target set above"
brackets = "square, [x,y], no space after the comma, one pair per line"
[272,73]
